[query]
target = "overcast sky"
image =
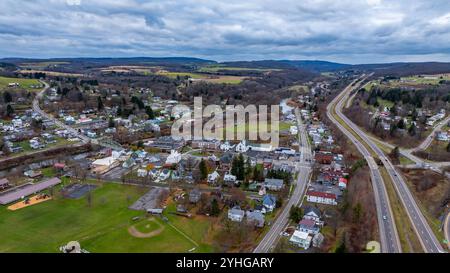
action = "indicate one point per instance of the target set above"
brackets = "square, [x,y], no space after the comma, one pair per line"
[350,31]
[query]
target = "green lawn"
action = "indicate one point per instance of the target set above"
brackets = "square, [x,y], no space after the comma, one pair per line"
[102,227]
[24,83]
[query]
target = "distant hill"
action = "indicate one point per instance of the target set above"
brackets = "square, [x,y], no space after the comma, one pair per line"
[403,69]
[315,66]
[108,61]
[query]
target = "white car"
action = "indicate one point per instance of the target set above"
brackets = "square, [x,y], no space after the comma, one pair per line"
[384,217]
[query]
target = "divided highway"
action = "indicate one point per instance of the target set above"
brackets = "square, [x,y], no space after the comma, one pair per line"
[303,166]
[425,234]
[390,242]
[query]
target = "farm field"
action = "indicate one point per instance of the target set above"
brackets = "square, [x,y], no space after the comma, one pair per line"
[40,65]
[101,227]
[204,77]
[215,68]
[24,83]
[50,73]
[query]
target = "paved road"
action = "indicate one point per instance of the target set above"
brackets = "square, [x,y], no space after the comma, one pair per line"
[271,238]
[390,242]
[447,229]
[425,234]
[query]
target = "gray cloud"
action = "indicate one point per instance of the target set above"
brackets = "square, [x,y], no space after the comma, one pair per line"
[353,31]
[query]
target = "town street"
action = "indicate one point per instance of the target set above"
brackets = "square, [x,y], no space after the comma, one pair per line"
[303,167]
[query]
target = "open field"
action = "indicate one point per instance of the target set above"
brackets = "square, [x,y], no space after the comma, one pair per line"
[24,83]
[204,77]
[50,73]
[216,68]
[41,65]
[100,227]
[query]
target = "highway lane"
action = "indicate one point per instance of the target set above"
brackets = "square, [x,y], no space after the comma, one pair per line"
[389,239]
[425,234]
[271,238]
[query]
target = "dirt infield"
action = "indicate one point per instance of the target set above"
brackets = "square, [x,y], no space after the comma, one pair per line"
[138,234]
[32,201]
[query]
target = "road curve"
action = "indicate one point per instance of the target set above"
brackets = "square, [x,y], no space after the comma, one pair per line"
[389,239]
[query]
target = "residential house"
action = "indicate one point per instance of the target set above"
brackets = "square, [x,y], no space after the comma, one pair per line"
[235,214]
[273,184]
[4,184]
[194,195]
[301,239]
[173,158]
[312,213]
[308,226]
[255,218]
[242,147]
[229,179]
[321,197]
[164,174]
[142,173]
[213,177]
[317,240]
[269,202]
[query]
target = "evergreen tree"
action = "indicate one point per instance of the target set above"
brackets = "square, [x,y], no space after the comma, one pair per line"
[100,105]
[241,167]
[149,112]
[203,170]
[7,97]
[111,123]
[412,130]
[215,210]
[9,110]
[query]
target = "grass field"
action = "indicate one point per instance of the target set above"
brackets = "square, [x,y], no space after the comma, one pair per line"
[215,68]
[181,74]
[101,227]
[24,83]
[208,78]
[42,64]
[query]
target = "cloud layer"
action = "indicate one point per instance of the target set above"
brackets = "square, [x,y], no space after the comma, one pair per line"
[352,31]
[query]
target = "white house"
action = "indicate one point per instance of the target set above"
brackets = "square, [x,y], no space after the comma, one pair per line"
[212,177]
[242,147]
[293,130]
[173,158]
[229,178]
[442,136]
[321,197]
[301,239]
[141,173]
[226,146]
